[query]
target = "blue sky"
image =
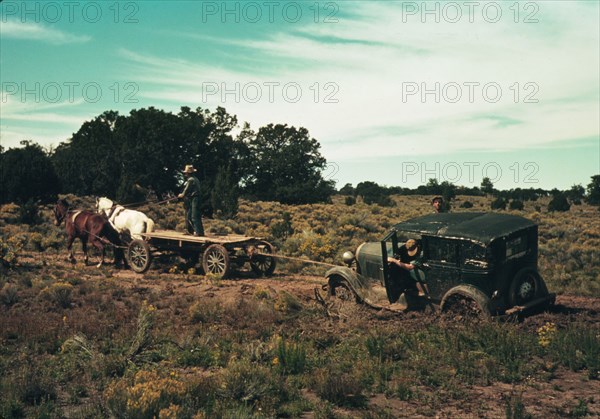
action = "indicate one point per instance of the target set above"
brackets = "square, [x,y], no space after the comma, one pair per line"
[396,91]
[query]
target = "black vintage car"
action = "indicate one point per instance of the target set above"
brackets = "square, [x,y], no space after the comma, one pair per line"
[487,261]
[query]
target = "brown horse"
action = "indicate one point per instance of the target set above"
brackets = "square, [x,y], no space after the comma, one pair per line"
[87,226]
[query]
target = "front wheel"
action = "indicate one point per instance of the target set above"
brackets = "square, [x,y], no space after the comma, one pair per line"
[338,288]
[138,255]
[466,302]
[215,261]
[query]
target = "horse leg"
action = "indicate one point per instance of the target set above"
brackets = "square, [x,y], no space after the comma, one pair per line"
[85,253]
[98,244]
[70,258]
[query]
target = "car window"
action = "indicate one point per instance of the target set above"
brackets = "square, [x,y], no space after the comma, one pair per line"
[442,250]
[516,246]
[473,255]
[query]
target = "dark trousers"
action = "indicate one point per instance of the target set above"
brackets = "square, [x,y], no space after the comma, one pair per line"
[193,219]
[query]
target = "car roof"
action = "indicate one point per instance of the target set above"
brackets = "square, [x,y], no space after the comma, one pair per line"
[481,227]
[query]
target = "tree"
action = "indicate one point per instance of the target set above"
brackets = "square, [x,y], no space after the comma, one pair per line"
[89,162]
[559,202]
[487,186]
[224,196]
[433,187]
[27,175]
[347,189]
[372,193]
[593,191]
[285,165]
[576,193]
[448,193]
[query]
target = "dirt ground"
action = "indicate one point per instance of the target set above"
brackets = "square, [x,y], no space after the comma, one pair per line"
[547,399]
[542,399]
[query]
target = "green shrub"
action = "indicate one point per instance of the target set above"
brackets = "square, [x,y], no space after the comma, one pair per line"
[499,203]
[559,203]
[10,248]
[291,357]
[349,200]
[11,408]
[9,294]
[578,348]
[59,293]
[341,389]
[206,311]
[29,213]
[516,204]
[35,387]
[515,409]
[246,382]
[196,356]
[145,396]
[283,229]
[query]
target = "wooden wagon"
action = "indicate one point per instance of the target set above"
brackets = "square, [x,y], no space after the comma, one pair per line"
[219,254]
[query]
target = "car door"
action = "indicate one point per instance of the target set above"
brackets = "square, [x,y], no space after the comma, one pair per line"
[441,255]
[389,247]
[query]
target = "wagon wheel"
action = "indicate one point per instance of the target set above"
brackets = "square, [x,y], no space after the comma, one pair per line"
[215,261]
[263,265]
[138,255]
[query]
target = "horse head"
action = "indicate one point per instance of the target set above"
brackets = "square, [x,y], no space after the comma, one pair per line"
[60,211]
[104,205]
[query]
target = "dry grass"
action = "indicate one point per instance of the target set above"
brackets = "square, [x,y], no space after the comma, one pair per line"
[105,344]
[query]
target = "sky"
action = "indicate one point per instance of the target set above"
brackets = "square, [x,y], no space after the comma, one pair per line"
[396,92]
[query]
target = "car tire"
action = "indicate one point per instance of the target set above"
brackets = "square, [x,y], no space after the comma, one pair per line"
[338,288]
[467,299]
[526,286]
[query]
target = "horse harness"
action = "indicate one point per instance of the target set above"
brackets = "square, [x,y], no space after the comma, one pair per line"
[114,213]
[74,215]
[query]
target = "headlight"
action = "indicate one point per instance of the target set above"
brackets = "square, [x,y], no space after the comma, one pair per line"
[348,258]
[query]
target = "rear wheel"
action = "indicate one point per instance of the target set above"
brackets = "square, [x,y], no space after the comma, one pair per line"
[525,287]
[138,256]
[261,264]
[215,261]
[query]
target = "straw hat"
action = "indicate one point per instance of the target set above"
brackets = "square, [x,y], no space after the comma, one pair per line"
[412,247]
[189,169]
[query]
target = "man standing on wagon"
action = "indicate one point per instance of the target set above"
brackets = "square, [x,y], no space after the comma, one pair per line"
[191,203]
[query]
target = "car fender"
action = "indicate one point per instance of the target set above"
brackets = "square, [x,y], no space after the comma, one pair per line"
[357,283]
[471,292]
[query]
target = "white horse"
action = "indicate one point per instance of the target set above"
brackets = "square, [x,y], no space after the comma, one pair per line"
[125,220]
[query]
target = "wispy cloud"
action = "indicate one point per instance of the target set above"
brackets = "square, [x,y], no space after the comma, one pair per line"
[371,56]
[37,32]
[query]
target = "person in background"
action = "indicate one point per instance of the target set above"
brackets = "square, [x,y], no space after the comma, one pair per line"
[191,203]
[438,204]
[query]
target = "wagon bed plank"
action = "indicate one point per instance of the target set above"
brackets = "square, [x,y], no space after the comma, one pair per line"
[176,235]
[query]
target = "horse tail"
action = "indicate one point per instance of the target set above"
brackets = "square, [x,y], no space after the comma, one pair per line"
[149,224]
